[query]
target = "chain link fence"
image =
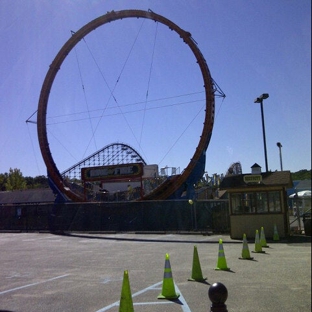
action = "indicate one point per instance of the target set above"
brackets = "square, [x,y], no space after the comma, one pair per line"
[139,216]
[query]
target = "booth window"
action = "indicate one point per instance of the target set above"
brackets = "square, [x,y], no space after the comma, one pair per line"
[261,202]
[242,203]
[274,202]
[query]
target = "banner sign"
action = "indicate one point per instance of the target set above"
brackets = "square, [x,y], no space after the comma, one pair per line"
[113,172]
[252,178]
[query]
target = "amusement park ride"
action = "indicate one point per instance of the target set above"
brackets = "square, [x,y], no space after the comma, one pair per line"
[117,167]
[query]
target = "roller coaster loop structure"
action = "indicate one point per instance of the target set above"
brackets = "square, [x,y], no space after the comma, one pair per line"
[173,188]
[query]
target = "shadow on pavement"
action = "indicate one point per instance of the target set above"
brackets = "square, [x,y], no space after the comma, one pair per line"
[94,236]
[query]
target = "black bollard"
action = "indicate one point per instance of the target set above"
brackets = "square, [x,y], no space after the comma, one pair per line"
[218,294]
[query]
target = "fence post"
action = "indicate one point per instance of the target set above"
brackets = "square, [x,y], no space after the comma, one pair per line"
[218,294]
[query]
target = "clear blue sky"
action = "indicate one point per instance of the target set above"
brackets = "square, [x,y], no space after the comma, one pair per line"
[251,47]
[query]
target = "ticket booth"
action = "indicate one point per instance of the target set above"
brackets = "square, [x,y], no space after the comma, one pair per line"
[258,200]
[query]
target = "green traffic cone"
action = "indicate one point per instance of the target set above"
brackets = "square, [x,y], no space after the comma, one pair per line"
[197,274]
[275,234]
[221,263]
[245,250]
[126,303]
[168,289]
[263,241]
[258,247]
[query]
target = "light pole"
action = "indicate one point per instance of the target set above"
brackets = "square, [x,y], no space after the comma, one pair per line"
[260,100]
[280,153]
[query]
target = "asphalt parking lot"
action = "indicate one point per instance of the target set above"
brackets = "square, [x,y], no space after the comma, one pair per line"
[84,272]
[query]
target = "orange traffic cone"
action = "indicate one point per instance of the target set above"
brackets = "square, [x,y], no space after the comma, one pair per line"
[245,250]
[275,234]
[258,247]
[126,304]
[221,264]
[168,290]
[263,241]
[197,274]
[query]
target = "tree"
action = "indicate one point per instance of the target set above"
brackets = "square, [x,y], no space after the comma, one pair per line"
[37,182]
[15,180]
[29,182]
[303,174]
[3,181]
[41,181]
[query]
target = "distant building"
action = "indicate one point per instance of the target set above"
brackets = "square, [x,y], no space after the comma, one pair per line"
[29,196]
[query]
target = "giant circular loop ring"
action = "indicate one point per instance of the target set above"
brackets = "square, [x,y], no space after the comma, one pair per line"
[162,192]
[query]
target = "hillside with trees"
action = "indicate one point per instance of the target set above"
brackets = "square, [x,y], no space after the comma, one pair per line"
[14,180]
[301,175]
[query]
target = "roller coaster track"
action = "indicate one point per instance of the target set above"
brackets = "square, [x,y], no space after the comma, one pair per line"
[166,189]
[111,154]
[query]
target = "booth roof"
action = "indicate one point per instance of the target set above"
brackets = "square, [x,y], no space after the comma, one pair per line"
[276,178]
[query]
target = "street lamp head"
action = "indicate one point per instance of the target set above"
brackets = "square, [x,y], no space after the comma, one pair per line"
[279,144]
[264,96]
[261,98]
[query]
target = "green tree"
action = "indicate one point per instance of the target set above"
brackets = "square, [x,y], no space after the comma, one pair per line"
[303,174]
[3,181]
[15,180]
[29,182]
[41,181]
[37,182]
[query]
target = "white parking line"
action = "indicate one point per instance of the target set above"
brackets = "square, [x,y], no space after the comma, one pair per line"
[33,284]
[184,306]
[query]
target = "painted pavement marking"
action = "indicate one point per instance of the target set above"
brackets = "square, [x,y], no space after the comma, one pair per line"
[33,284]
[184,306]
